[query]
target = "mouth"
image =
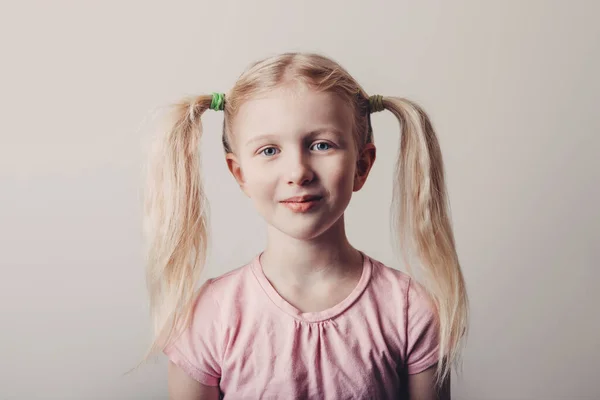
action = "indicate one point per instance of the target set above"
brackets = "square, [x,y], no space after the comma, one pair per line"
[302,203]
[302,199]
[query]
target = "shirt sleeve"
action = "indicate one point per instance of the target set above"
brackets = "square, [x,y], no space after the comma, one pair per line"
[197,349]
[422,330]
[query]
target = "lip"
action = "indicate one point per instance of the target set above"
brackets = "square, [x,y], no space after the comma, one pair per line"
[302,204]
[302,199]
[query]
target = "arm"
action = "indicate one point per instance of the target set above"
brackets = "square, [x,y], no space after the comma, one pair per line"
[183,387]
[421,386]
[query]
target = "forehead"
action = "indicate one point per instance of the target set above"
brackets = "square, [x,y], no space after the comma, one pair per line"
[291,110]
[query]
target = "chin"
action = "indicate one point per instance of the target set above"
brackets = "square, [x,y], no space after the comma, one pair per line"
[303,230]
[308,233]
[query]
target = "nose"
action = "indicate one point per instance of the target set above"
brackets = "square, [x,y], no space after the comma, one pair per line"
[300,171]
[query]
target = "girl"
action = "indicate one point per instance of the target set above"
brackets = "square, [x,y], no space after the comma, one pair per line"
[310,317]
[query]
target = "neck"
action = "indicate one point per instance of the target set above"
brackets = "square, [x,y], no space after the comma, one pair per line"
[296,262]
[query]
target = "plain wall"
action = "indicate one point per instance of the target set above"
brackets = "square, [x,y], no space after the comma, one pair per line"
[512,88]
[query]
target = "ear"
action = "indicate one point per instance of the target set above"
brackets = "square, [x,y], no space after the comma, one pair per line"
[236,170]
[364,163]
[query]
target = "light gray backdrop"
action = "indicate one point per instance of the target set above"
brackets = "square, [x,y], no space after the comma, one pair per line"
[512,88]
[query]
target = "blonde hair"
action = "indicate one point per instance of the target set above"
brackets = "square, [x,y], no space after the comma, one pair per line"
[176,207]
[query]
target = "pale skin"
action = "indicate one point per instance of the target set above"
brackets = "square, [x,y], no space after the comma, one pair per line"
[293,142]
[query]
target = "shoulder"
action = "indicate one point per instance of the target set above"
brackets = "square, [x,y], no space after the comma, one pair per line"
[415,315]
[234,278]
[386,279]
[397,288]
[406,285]
[224,294]
[214,303]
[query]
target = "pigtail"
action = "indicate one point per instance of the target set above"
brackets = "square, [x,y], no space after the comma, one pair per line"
[422,222]
[176,221]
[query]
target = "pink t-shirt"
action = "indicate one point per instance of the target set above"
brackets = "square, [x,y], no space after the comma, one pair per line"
[245,338]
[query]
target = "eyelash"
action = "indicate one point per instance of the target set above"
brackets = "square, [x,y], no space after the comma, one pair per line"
[271,147]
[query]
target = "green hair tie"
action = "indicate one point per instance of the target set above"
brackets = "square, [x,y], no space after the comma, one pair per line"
[376,103]
[218,102]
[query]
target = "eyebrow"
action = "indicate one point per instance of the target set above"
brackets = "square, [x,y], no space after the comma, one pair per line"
[311,134]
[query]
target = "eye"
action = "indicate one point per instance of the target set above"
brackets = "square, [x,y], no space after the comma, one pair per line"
[269,151]
[322,146]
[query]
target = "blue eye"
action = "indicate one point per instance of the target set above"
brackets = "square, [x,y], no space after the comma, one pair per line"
[269,151]
[322,146]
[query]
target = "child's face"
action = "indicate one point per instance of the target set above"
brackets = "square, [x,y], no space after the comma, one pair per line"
[298,142]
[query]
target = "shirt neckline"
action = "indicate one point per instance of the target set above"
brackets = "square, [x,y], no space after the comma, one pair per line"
[316,316]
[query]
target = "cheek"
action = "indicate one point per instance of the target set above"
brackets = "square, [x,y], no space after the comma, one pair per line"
[259,182]
[341,175]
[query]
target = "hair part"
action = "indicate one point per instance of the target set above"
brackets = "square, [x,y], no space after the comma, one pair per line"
[176,210]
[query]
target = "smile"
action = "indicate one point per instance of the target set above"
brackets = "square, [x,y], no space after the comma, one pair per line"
[302,203]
